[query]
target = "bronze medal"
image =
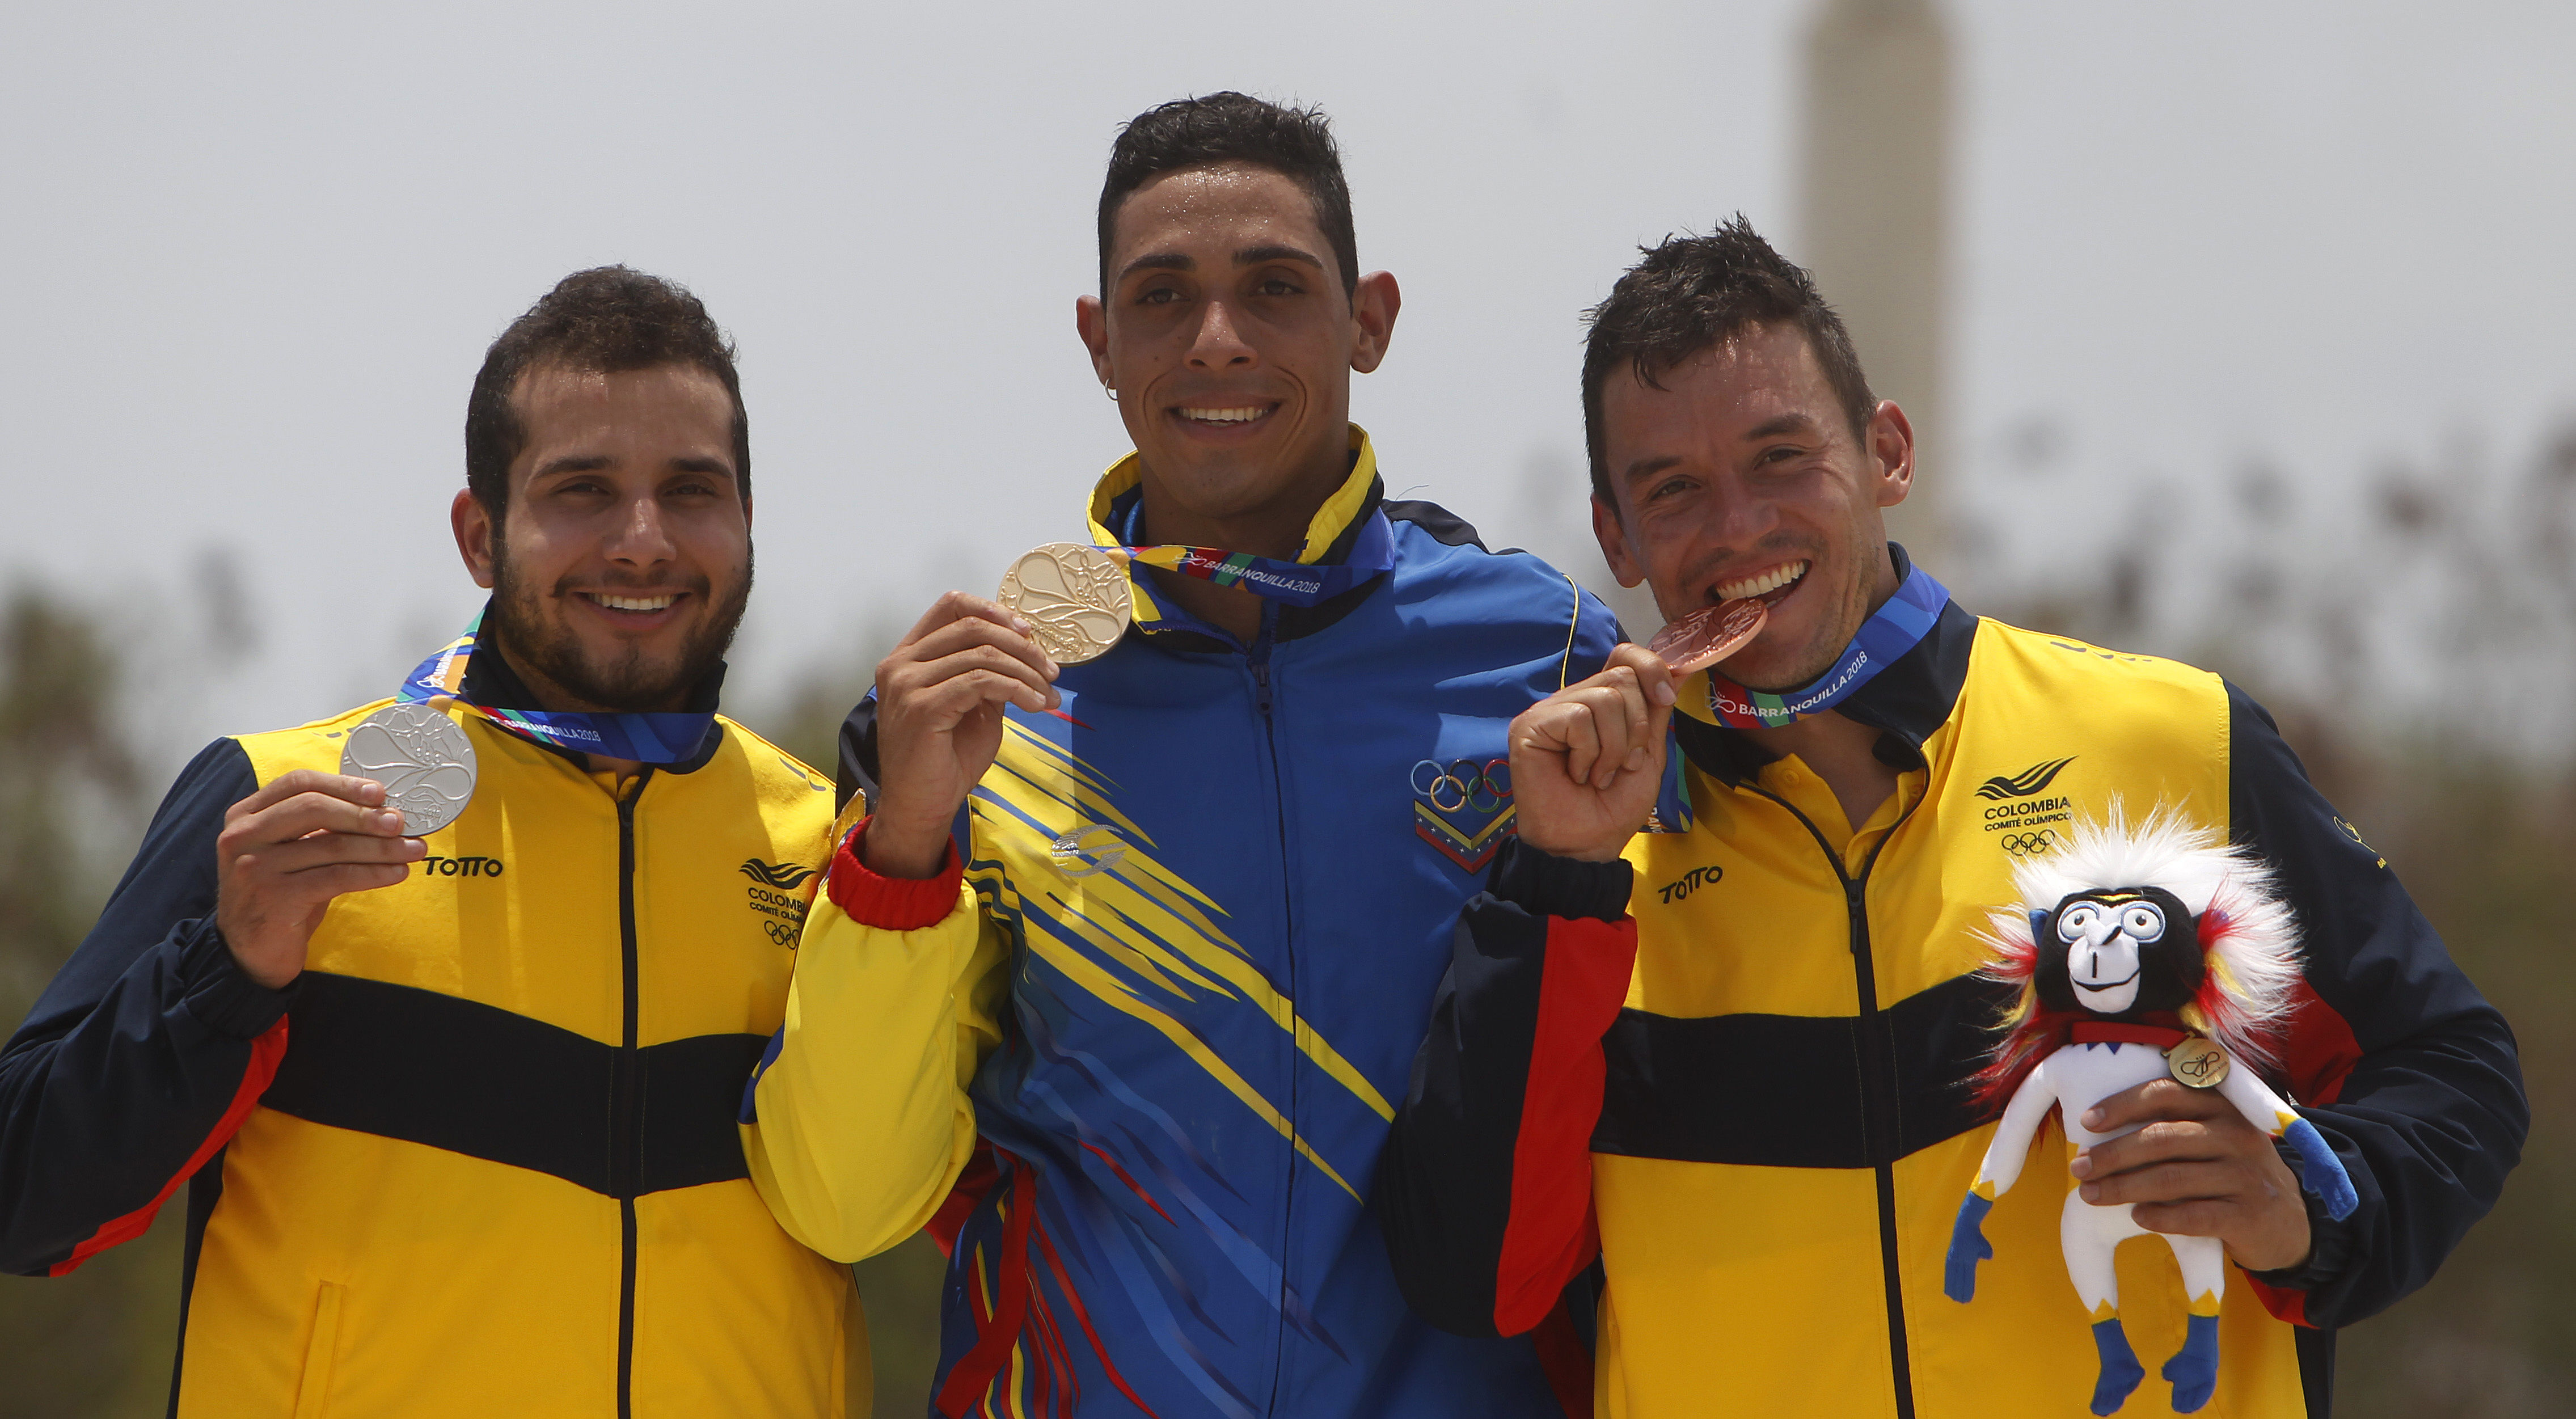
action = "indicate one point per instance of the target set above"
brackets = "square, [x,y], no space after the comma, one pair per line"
[1074,596]
[2198,1064]
[1709,635]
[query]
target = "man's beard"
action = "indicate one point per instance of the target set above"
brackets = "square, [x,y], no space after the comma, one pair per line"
[632,683]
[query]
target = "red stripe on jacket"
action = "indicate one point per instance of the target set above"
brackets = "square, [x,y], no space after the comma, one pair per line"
[2319,1057]
[265,1052]
[1552,1233]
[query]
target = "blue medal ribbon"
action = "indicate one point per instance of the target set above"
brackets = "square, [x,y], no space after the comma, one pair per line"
[644,738]
[1888,634]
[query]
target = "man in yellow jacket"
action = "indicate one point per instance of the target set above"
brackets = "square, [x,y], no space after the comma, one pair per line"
[1732,1057]
[439,1009]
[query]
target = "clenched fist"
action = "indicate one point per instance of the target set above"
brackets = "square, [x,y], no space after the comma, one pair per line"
[1586,761]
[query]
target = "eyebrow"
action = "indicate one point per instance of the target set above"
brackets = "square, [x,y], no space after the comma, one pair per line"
[1254,256]
[1792,423]
[593,462]
[1158,261]
[571,463]
[1773,428]
[1249,256]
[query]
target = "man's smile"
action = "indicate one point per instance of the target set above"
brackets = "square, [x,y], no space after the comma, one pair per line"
[1772,585]
[1223,422]
[633,610]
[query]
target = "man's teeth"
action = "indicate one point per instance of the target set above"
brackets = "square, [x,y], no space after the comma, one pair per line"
[1225,416]
[633,603]
[1771,580]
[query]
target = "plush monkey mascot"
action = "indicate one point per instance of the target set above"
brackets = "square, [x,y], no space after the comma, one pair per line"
[2138,953]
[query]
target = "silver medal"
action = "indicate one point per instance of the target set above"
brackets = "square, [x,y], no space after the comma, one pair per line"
[424,761]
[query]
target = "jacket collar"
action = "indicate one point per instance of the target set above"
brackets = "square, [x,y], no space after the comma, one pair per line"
[1906,702]
[491,682]
[1117,519]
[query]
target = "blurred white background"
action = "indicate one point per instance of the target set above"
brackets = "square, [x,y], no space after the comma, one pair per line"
[256,252]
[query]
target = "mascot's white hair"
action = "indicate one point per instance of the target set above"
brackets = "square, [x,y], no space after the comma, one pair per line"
[2248,939]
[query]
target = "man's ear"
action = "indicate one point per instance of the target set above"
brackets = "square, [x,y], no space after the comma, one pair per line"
[1374,302]
[1091,322]
[474,531]
[1891,451]
[1614,543]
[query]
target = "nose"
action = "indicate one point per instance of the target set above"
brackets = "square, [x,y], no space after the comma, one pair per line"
[639,538]
[1744,517]
[1219,346]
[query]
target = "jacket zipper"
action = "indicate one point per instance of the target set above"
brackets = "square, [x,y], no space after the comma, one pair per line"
[1259,658]
[1877,1085]
[626,1100]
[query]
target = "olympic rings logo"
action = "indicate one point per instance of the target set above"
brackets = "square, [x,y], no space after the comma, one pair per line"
[1462,784]
[2028,844]
[780,933]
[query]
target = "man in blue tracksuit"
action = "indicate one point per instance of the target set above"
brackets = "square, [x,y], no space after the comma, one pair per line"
[1117,986]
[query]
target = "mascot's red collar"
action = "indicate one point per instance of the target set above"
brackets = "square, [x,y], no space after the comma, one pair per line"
[2095,1032]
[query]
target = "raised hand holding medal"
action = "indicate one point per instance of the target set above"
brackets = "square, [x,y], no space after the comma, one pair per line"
[304,838]
[939,710]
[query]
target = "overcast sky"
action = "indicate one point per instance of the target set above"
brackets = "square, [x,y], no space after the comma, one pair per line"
[255,253]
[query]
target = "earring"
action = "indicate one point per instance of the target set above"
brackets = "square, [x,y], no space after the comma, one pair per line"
[1111,390]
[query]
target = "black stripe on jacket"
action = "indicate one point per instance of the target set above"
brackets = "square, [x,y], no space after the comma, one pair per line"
[1660,1106]
[400,1062]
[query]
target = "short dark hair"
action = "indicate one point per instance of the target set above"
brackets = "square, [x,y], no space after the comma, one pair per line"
[605,320]
[1694,293]
[1296,143]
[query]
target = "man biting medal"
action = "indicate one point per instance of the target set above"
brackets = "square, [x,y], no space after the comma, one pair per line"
[441,1007]
[1115,989]
[1734,1058]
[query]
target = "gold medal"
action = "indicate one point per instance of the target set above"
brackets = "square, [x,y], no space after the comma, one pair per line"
[1074,596]
[2198,1063]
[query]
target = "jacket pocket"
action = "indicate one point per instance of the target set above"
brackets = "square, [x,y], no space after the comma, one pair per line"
[313,1393]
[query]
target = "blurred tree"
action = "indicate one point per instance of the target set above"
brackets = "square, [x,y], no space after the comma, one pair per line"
[2484,846]
[97,1342]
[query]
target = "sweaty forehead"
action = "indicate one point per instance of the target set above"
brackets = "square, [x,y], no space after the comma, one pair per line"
[1225,207]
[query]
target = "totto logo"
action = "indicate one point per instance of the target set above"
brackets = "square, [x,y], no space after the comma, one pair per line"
[1681,887]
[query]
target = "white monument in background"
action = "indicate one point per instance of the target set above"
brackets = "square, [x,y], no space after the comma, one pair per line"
[1873,213]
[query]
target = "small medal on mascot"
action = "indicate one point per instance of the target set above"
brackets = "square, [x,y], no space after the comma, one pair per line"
[2139,954]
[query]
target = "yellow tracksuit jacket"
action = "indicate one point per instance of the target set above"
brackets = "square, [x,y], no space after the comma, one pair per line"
[486,1161]
[1734,1067]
